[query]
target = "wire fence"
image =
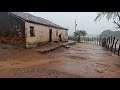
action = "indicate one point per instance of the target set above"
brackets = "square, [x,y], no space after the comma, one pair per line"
[111,43]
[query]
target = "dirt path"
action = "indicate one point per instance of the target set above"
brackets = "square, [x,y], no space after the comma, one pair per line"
[79,61]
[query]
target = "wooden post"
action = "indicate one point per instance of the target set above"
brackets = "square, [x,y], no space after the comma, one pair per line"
[87,39]
[119,50]
[94,40]
[97,41]
[81,39]
[107,43]
[115,46]
[84,39]
[112,43]
[90,40]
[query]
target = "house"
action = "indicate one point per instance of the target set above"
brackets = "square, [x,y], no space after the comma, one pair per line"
[26,30]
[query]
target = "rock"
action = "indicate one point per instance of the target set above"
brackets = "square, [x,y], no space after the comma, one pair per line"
[67,46]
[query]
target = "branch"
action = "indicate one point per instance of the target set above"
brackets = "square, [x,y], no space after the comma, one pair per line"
[117,23]
[118,15]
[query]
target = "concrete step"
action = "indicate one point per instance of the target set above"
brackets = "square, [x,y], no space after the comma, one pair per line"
[54,46]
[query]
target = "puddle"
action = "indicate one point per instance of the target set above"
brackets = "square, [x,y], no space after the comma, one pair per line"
[79,57]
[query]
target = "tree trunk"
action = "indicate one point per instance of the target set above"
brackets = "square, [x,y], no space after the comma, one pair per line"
[78,39]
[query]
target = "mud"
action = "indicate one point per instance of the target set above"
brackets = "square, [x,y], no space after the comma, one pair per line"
[79,61]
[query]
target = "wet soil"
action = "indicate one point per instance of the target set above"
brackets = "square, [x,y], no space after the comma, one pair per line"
[79,61]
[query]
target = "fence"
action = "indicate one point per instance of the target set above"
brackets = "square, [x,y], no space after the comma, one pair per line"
[90,40]
[111,43]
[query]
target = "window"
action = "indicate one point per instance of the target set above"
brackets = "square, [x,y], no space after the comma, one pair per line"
[56,32]
[32,32]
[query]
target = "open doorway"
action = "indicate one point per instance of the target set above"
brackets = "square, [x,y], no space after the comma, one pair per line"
[50,35]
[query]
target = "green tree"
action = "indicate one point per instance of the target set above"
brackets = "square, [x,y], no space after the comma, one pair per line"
[115,16]
[106,33]
[79,33]
[83,32]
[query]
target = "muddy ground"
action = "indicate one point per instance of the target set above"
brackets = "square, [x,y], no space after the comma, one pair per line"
[79,61]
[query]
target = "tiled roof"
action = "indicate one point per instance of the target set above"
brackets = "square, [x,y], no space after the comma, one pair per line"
[31,18]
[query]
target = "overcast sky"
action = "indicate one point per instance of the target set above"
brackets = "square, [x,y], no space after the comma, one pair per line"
[85,21]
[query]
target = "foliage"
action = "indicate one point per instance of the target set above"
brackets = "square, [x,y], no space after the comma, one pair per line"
[107,33]
[110,15]
[80,33]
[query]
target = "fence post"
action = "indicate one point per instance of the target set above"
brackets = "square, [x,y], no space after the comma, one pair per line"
[84,39]
[108,42]
[94,40]
[97,40]
[90,40]
[115,46]
[112,43]
[119,50]
[87,40]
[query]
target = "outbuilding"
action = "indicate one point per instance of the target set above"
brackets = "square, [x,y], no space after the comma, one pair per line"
[26,30]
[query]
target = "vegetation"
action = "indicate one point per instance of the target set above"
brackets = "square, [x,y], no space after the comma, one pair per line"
[107,33]
[80,33]
[115,16]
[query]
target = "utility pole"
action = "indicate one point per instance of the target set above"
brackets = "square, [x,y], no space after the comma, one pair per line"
[75,25]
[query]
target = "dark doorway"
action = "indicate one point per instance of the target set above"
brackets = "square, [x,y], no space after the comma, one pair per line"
[50,35]
[60,38]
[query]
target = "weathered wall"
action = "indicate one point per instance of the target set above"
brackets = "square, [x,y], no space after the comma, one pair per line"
[42,34]
[12,30]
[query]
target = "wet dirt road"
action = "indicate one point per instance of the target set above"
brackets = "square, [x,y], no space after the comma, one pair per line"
[79,61]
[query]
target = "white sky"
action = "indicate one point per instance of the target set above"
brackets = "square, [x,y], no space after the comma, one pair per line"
[85,21]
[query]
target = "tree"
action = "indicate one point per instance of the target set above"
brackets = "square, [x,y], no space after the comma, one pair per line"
[108,33]
[79,33]
[110,15]
[83,32]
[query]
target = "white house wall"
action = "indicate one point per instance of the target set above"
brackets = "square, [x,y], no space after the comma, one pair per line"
[42,34]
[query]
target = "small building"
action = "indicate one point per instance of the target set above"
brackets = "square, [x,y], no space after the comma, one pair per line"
[26,30]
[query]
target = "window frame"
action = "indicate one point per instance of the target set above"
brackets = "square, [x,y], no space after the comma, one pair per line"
[32,33]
